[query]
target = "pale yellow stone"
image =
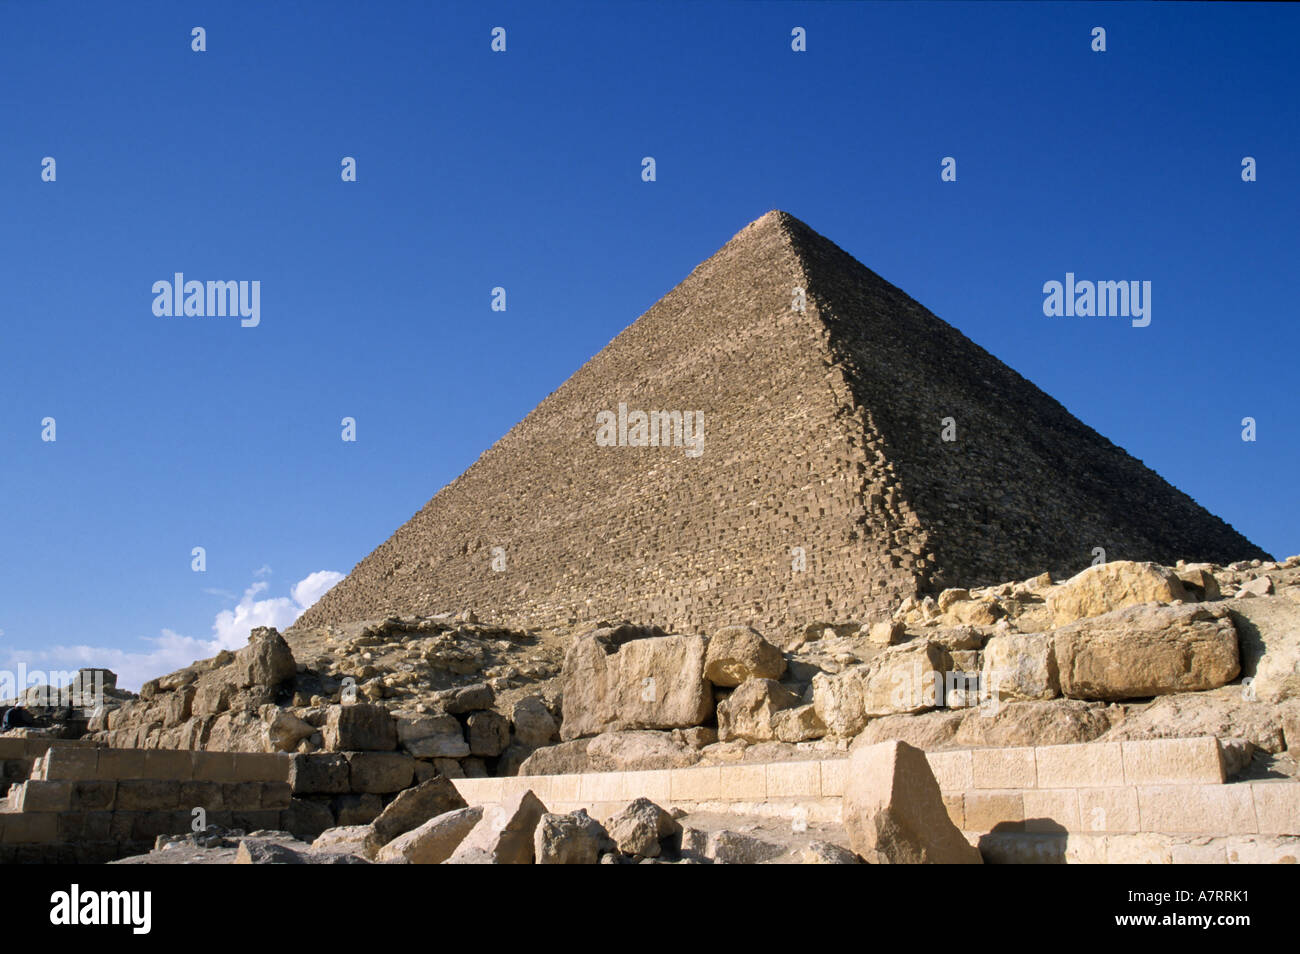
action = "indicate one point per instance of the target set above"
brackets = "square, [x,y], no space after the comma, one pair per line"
[952,770]
[1085,765]
[794,780]
[988,810]
[1166,761]
[1108,810]
[1051,809]
[1138,849]
[1277,807]
[1004,768]
[601,787]
[479,791]
[1085,849]
[955,803]
[1205,809]
[696,784]
[655,785]
[833,772]
[741,782]
[564,788]
[1211,853]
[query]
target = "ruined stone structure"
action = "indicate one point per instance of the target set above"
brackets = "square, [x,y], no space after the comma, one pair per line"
[822,444]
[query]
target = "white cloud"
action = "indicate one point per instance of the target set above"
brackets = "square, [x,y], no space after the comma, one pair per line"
[171,650]
[307,591]
[232,626]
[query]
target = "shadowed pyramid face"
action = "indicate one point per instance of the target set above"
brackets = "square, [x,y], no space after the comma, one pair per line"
[858,449]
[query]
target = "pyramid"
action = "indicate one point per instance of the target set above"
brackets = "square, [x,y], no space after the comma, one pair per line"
[822,490]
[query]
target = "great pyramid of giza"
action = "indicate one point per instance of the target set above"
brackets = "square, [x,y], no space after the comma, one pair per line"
[823,489]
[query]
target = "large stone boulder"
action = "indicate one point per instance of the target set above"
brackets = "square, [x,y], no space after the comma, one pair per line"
[650,683]
[1148,650]
[905,678]
[465,699]
[638,750]
[590,686]
[726,847]
[640,828]
[798,724]
[533,722]
[1107,587]
[489,733]
[748,712]
[563,758]
[431,736]
[662,684]
[380,773]
[433,842]
[738,653]
[357,840]
[1020,666]
[285,730]
[893,810]
[1230,712]
[837,701]
[359,727]
[572,839]
[319,774]
[1269,632]
[504,835]
[415,806]
[267,660]
[1003,724]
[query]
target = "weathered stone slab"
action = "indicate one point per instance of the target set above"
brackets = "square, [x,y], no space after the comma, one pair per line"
[894,812]
[1148,650]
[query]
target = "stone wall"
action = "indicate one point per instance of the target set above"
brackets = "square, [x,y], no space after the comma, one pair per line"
[89,805]
[84,804]
[1101,795]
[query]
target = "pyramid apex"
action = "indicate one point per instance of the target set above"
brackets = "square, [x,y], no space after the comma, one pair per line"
[777,219]
[773,217]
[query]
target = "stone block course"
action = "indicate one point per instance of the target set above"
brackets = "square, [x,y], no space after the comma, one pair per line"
[1109,809]
[1163,761]
[1051,809]
[695,784]
[1277,807]
[1208,809]
[1097,764]
[175,764]
[148,795]
[122,764]
[213,766]
[94,794]
[260,767]
[952,770]
[1004,768]
[994,810]
[40,795]
[72,762]
[794,780]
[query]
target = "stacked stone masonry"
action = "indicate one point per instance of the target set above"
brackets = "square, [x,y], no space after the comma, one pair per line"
[1041,794]
[822,441]
[88,805]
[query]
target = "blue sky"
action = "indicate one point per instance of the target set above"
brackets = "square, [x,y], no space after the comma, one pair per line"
[522,170]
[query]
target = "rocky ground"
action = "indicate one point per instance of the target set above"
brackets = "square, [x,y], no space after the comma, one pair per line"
[1121,651]
[675,838]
